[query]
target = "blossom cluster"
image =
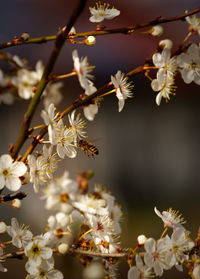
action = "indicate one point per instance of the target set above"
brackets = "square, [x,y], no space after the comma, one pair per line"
[166,252]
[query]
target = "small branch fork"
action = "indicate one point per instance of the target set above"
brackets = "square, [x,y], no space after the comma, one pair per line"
[125,30]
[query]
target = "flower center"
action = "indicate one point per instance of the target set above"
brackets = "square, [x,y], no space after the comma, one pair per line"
[5,172]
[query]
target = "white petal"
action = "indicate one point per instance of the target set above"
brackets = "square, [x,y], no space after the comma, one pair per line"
[133,273]
[6,161]
[18,168]
[2,182]
[13,183]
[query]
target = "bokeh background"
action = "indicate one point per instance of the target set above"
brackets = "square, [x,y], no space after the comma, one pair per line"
[149,155]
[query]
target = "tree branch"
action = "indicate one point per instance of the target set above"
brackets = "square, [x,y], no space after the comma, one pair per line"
[124,30]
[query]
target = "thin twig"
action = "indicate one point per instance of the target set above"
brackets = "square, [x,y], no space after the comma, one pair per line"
[124,30]
[10,197]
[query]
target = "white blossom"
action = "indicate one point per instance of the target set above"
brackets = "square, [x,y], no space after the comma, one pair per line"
[26,80]
[36,251]
[164,61]
[52,94]
[178,246]
[194,22]
[189,64]
[164,83]
[65,142]
[50,118]
[37,171]
[83,70]
[20,234]
[77,125]
[44,271]
[139,271]
[123,88]
[170,218]
[102,12]
[10,173]
[156,254]
[59,192]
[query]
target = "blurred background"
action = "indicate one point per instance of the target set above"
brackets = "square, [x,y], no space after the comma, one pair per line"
[148,155]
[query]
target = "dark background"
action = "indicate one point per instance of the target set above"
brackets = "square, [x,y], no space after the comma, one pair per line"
[149,155]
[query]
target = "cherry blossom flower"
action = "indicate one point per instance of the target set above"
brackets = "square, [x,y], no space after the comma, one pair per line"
[59,192]
[139,271]
[52,94]
[6,95]
[164,83]
[91,110]
[164,61]
[20,234]
[102,12]
[10,173]
[189,64]
[65,143]
[77,125]
[194,22]
[36,251]
[26,80]
[49,117]
[123,88]
[83,70]
[37,171]
[90,205]
[156,253]
[44,271]
[170,218]
[178,246]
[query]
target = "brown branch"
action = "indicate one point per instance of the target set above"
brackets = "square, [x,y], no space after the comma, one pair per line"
[10,197]
[124,30]
[99,254]
[19,254]
[60,39]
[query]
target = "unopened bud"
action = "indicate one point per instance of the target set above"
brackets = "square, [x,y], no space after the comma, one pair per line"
[63,248]
[3,227]
[141,239]
[25,36]
[166,43]
[90,41]
[156,30]
[16,203]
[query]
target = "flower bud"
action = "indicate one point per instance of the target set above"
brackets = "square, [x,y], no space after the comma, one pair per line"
[166,44]
[141,239]
[156,30]
[2,227]
[63,248]
[16,203]
[25,36]
[90,41]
